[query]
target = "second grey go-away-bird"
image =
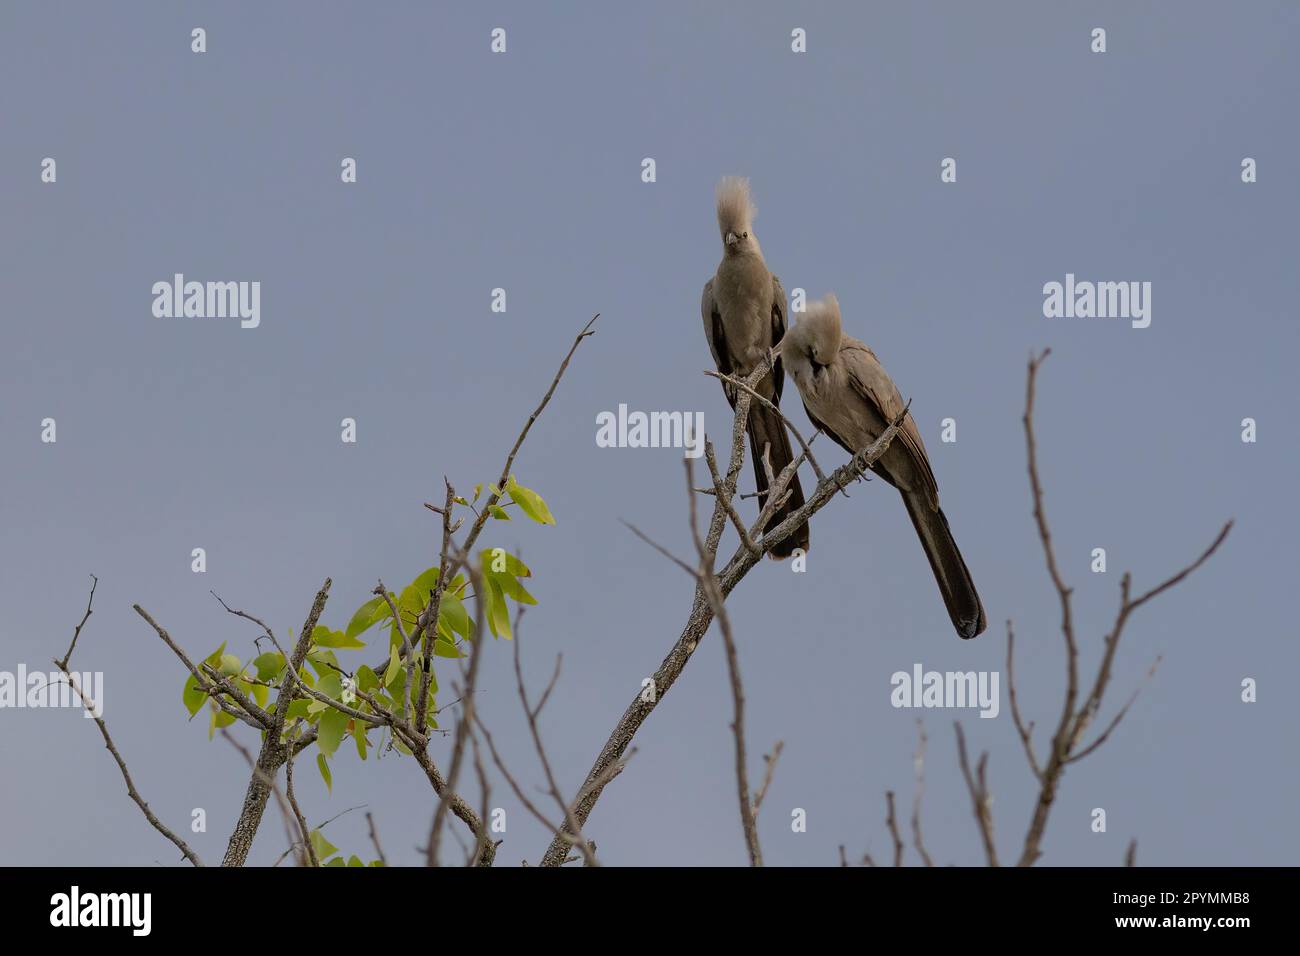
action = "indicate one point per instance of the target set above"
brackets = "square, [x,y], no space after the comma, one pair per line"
[744,318]
[848,395]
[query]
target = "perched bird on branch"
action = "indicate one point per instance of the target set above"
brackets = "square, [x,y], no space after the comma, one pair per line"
[849,395]
[744,318]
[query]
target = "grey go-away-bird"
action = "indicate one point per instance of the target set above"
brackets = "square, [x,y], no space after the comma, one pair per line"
[848,395]
[744,317]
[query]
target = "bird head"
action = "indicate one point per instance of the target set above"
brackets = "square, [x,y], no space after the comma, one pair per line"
[814,341]
[736,212]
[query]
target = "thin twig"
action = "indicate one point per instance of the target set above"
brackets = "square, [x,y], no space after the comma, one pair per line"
[1025,731]
[891,821]
[463,725]
[297,813]
[566,808]
[918,762]
[374,840]
[91,708]
[769,761]
[90,602]
[748,814]
[772,405]
[979,795]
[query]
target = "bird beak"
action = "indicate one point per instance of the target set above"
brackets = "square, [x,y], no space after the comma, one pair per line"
[732,239]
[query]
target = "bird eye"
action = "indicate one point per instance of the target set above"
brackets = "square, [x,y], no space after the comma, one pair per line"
[744,235]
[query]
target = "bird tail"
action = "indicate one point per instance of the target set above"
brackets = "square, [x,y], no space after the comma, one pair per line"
[955,584]
[766,429]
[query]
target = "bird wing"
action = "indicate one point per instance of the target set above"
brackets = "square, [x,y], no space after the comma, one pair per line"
[778,333]
[869,380]
[717,337]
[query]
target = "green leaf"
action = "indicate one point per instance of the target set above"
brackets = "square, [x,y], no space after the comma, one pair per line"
[192,697]
[359,735]
[443,648]
[511,588]
[478,490]
[258,692]
[530,502]
[299,708]
[323,847]
[323,661]
[367,680]
[323,766]
[332,725]
[337,861]
[324,637]
[269,665]
[331,685]
[355,860]
[498,613]
[394,669]
[497,561]
[413,601]
[218,720]
[425,583]
[214,659]
[370,613]
[498,512]
[452,613]
[375,863]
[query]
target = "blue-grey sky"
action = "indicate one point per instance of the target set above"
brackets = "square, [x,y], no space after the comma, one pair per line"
[522,170]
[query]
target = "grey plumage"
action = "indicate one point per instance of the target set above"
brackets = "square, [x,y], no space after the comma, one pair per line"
[743,308]
[848,394]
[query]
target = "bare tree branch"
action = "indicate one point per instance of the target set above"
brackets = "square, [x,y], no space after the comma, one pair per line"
[1074,720]
[918,762]
[891,821]
[979,795]
[273,752]
[748,815]
[805,445]
[90,604]
[286,812]
[701,614]
[91,708]
[530,713]
[720,490]
[769,761]
[374,840]
[463,725]
[1026,731]
[308,847]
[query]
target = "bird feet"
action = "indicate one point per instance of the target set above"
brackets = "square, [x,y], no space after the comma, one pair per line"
[861,464]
